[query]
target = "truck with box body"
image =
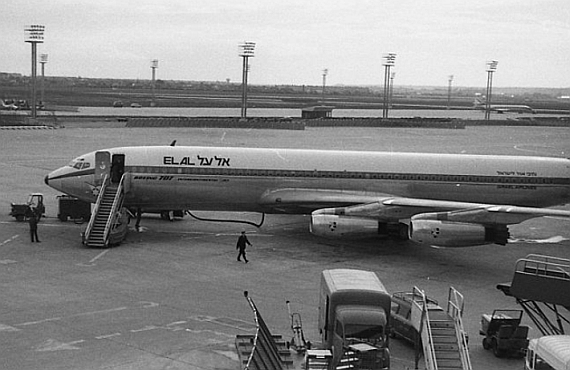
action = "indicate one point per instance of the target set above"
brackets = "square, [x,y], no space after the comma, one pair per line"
[354,309]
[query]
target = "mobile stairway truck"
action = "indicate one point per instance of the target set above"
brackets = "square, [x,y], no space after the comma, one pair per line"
[354,313]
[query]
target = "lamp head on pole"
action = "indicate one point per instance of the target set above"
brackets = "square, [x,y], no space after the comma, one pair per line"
[34,33]
[43,58]
[389,59]
[492,65]
[154,63]
[247,49]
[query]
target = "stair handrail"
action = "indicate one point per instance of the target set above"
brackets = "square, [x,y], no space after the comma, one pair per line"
[95,209]
[427,342]
[117,201]
[455,306]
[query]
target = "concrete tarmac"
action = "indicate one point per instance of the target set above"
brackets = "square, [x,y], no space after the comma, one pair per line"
[171,296]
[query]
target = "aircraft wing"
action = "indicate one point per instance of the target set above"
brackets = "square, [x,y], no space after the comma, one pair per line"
[387,208]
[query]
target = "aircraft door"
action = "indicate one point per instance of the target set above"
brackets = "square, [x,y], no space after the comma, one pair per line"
[117,168]
[102,166]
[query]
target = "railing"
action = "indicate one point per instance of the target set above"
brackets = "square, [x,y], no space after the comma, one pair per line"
[553,267]
[95,209]
[116,203]
[427,340]
[455,306]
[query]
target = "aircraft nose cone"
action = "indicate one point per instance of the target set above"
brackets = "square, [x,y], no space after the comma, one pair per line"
[46,180]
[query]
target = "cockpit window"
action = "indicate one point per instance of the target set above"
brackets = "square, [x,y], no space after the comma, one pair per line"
[79,164]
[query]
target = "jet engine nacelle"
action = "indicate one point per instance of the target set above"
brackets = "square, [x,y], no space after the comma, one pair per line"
[455,234]
[337,226]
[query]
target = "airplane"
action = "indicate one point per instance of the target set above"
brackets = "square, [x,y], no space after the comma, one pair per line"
[445,200]
[7,106]
[514,108]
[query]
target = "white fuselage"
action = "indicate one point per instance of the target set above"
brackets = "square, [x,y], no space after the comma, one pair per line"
[243,179]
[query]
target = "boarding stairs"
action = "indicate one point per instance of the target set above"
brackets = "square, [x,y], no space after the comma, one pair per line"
[443,338]
[537,285]
[105,214]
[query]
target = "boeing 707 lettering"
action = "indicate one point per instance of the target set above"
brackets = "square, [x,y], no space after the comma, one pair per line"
[437,199]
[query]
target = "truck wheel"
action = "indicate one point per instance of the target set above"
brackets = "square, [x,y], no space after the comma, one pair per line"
[20,218]
[496,350]
[486,344]
[62,218]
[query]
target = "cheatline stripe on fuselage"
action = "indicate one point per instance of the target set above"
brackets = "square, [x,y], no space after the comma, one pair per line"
[392,176]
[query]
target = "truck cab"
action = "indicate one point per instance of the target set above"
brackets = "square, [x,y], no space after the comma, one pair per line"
[354,309]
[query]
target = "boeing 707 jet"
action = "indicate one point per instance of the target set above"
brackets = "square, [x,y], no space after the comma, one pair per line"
[437,199]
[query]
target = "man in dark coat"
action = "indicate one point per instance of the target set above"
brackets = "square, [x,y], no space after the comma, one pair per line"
[33,221]
[241,244]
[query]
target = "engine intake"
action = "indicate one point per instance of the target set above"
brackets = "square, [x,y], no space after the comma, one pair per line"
[455,234]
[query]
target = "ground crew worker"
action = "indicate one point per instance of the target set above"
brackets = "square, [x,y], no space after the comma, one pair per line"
[241,245]
[33,221]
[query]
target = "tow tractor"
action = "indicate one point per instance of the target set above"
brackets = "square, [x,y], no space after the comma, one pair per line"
[504,333]
[34,205]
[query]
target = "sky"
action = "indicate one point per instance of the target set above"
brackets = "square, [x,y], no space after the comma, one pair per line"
[197,40]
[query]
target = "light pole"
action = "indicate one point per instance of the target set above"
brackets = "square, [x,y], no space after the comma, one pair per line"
[43,61]
[491,68]
[391,95]
[246,50]
[153,66]
[450,80]
[389,61]
[34,34]
[325,73]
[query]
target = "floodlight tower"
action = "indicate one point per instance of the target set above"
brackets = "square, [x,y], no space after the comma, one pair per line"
[153,66]
[491,68]
[325,73]
[34,34]
[246,50]
[43,61]
[450,80]
[389,61]
[391,94]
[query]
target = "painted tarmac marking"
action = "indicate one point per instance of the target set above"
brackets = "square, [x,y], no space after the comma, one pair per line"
[55,345]
[146,328]
[76,315]
[8,328]
[9,240]
[225,321]
[93,260]
[7,262]
[108,336]
[39,321]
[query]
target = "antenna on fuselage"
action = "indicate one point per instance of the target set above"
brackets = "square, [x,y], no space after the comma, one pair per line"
[173,143]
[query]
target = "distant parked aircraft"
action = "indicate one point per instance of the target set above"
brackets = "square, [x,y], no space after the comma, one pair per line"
[7,106]
[504,108]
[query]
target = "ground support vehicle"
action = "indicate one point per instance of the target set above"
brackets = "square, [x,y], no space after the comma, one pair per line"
[298,342]
[354,313]
[504,333]
[73,208]
[551,352]
[34,205]
[400,316]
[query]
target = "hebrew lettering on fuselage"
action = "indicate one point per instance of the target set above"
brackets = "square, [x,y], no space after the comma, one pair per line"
[202,161]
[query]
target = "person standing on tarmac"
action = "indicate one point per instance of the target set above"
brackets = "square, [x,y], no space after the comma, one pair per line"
[241,245]
[33,221]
